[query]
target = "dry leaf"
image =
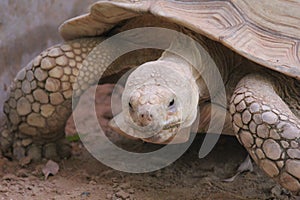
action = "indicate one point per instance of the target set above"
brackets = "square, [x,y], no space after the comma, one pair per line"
[244,167]
[51,168]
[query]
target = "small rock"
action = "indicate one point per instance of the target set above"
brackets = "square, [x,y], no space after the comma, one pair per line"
[109,196]
[130,190]
[22,173]
[125,185]
[3,189]
[92,182]
[9,177]
[85,194]
[122,194]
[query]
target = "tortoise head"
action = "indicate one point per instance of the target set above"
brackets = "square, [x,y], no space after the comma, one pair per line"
[156,105]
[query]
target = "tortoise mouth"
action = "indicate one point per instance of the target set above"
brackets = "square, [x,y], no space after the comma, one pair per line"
[170,125]
[163,133]
[166,134]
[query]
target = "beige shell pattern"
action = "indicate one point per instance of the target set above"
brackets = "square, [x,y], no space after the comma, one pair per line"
[264,31]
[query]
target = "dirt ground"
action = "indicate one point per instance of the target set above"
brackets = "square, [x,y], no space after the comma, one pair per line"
[189,178]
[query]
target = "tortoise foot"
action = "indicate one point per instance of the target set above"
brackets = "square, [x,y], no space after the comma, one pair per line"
[268,129]
[40,101]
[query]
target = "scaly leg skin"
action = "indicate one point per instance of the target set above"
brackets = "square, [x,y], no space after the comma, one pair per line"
[39,102]
[268,129]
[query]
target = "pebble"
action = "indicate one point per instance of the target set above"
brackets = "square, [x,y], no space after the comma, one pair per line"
[122,194]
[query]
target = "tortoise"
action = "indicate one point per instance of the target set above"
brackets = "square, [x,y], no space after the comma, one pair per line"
[255,46]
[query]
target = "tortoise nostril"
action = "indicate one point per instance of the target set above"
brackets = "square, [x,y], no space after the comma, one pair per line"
[145,118]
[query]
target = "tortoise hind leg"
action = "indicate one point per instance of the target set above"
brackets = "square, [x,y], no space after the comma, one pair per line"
[40,101]
[268,129]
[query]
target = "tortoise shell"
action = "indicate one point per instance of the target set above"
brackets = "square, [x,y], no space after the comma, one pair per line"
[266,33]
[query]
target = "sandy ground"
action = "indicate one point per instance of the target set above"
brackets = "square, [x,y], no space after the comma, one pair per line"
[83,177]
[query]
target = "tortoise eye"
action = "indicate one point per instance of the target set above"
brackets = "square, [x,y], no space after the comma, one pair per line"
[171,103]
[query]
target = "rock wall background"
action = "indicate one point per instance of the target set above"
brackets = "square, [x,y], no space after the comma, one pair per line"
[27,28]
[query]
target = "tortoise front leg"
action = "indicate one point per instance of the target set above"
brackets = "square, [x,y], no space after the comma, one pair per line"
[268,129]
[39,102]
